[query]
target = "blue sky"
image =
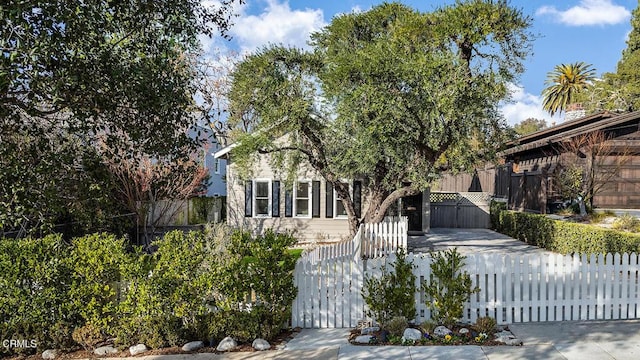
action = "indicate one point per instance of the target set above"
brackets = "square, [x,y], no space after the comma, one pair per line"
[593,31]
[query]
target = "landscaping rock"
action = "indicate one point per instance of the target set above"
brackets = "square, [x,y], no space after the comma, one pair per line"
[411,334]
[227,344]
[192,346]
[137,349]
[463,331]
[369,330]
[441,331]
[363,339]
[508,338]
[105,350]
[49,354]
[261,344]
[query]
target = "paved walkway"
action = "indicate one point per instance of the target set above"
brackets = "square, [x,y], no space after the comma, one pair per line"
[469,241]
[592,340]
[558,340]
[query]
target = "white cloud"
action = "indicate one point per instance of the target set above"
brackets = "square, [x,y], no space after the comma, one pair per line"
[588,12]
[277,24]
[215,42]
[524,106]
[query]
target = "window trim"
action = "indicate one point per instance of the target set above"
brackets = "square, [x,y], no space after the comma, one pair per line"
[336,199]
[309,199]
[255,198]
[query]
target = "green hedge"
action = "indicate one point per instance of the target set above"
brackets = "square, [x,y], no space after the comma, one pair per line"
[562,236]
[80,294]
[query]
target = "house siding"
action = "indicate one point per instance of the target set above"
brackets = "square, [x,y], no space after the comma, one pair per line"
[306,230]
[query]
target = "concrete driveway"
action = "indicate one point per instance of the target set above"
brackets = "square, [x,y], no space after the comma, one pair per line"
[470,241]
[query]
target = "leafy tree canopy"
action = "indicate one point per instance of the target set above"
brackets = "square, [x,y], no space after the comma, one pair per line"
[529,125]
[619,91]
[628,70]
[390,95]
[74,70]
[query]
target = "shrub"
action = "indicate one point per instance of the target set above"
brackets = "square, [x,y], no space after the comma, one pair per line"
[88,336]
[596,217]
[34,287]
[486,324]
[393,293]
[257,271]
[428,326]
[99,262]
[168,292]
[61,335]
[396,325]
[61,295]
[156,332]
[565,237]
[494,212]
[627,222]
[449,287]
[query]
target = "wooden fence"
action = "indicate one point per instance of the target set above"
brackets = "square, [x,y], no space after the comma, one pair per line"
[518,288]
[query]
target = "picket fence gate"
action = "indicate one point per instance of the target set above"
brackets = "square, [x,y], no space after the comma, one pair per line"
[371,241]
[513,288]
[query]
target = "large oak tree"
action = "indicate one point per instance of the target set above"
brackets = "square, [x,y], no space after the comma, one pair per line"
[390,95]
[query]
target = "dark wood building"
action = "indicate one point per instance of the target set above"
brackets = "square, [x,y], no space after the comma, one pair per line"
[526,178]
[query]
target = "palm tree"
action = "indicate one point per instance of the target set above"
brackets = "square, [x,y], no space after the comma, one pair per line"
[565,82]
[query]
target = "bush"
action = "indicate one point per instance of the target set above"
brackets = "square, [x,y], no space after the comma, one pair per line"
[565,237]
[393,293]
[597,217]
[428,326]
[449,287]
[627,222]
[155,331]
[494,212]
[396,325]
[63,295]
[486,325]
[256,277]
[168,292]
[34,288]
[99,263]
[88,336]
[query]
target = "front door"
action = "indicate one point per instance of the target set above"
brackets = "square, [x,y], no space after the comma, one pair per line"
[412,209]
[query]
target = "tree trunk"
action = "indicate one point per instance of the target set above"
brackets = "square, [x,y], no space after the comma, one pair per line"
[587,184]
[379,203]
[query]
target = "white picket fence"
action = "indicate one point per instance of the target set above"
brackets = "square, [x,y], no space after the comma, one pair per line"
[519,288]
[384,238]
[371,241]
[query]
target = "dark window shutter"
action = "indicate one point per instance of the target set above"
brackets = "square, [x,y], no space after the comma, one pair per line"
[275,199]
[315,199]
[357,197]
[248,198]
[329,200]
[288,203]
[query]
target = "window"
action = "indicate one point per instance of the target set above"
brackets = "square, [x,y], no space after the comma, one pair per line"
[262,198]
[302,199]
[340,211]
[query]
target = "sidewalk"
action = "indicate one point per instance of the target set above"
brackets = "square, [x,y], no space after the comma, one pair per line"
[589,340]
